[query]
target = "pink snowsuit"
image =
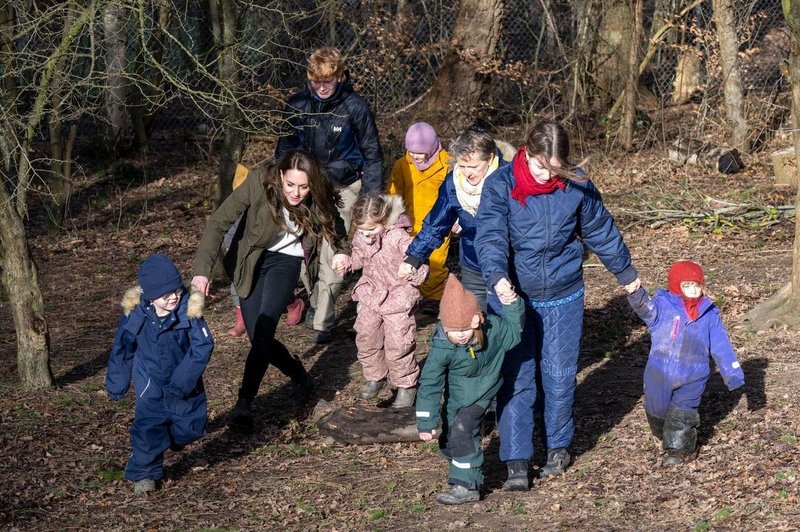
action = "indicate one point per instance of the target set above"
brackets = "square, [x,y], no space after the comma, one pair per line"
[385,325]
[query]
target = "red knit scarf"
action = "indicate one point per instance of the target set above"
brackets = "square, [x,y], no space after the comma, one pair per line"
[526,185]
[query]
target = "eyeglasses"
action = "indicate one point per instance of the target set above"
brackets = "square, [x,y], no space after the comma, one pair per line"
[169,295]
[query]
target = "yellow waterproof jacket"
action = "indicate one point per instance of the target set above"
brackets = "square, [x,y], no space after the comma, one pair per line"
[419,190]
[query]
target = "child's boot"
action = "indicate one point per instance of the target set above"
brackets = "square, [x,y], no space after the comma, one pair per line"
[458,495]
[140,487]
[294,312]
[405,398]
[680,436]
[241,418]
[371,389]
[238,329]
[517,476]
[557,461]
[656,425]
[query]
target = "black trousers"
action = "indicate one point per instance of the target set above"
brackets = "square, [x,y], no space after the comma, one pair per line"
[273,289]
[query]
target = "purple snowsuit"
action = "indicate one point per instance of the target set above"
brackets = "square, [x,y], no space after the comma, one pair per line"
[678,368]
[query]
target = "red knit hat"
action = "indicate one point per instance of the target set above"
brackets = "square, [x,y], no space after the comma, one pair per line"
[681,271]
[458,305]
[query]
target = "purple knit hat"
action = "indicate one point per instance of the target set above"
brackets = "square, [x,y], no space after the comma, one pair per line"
[422,138]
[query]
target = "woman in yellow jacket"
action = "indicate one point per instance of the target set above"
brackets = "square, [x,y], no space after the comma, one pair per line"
[416,177]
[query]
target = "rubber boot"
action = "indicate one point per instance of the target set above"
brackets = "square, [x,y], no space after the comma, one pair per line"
[458,495]
[517,476]
[557,461]
[656,425]
[680,436]
[238,329]
[371,389]
[405,398]
[294,312]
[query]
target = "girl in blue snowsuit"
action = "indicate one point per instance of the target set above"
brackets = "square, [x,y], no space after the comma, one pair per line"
[164,342]
[685,327]
[534,217]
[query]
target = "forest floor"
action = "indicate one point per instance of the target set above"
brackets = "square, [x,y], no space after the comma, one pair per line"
[62,450]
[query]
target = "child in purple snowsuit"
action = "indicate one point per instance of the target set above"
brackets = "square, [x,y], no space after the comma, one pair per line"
[685,327]
[385,325]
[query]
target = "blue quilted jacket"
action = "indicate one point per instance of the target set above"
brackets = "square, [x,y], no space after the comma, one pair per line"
[538,246]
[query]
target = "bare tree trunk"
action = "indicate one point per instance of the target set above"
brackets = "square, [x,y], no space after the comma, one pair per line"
[633,76]
[475,36]
[144,100]
[115,95]
[21,282]
[782,309]
[233,145]
[731,75]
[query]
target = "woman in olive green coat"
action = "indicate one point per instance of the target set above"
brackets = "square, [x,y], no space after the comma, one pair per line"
[287,208]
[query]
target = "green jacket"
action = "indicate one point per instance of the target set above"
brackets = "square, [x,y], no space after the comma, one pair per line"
[256,232]
[469,380]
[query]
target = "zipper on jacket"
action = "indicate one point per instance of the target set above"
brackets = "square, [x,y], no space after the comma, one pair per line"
[145,389]
[546,245]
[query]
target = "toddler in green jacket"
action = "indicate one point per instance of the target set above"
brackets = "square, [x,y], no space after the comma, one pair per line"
[466,355]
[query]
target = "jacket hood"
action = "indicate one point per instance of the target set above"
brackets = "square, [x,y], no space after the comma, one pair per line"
[194,308]
[397,212]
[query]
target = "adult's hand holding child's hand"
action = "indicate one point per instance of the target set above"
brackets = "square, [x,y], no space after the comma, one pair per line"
[340,264]
[405,271]
[505,291]
[202,283]
[634,286]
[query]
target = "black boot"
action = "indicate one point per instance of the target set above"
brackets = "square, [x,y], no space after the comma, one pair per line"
[517,476]
[557,461]
[680,436]
[656,425]
[241,418]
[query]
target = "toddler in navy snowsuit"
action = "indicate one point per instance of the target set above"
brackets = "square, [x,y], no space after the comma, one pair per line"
[164,342]
[685,327]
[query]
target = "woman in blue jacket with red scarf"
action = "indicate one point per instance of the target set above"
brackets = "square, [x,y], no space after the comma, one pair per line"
[533,217]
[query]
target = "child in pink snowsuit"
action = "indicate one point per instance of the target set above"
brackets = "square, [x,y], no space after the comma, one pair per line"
[385,325]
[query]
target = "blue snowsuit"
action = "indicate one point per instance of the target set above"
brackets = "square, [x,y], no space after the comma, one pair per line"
[167,360]
[677,368]
[538,248]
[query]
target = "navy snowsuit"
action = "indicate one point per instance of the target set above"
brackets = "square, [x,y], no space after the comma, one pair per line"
[677,368]
[167,360]
[340,132]
[538,248]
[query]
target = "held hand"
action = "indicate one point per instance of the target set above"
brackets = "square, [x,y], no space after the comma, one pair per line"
[405,271]
[456,228]
[634,286]
[340,264]
[505,292]
[201,283]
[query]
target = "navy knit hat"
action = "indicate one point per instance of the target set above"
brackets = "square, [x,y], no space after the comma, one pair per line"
[158,276]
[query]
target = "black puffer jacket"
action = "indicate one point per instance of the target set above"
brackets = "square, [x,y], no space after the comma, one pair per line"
[340,132]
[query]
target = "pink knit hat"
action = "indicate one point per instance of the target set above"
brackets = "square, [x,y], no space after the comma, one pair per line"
[422,138]
[458,305]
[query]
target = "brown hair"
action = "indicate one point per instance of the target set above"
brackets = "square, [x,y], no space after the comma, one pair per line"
[324,64]
[373,208]
[317,213]
[472,140]
[549,140]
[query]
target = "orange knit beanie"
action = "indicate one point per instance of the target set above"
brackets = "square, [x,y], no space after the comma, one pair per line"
[458,305]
